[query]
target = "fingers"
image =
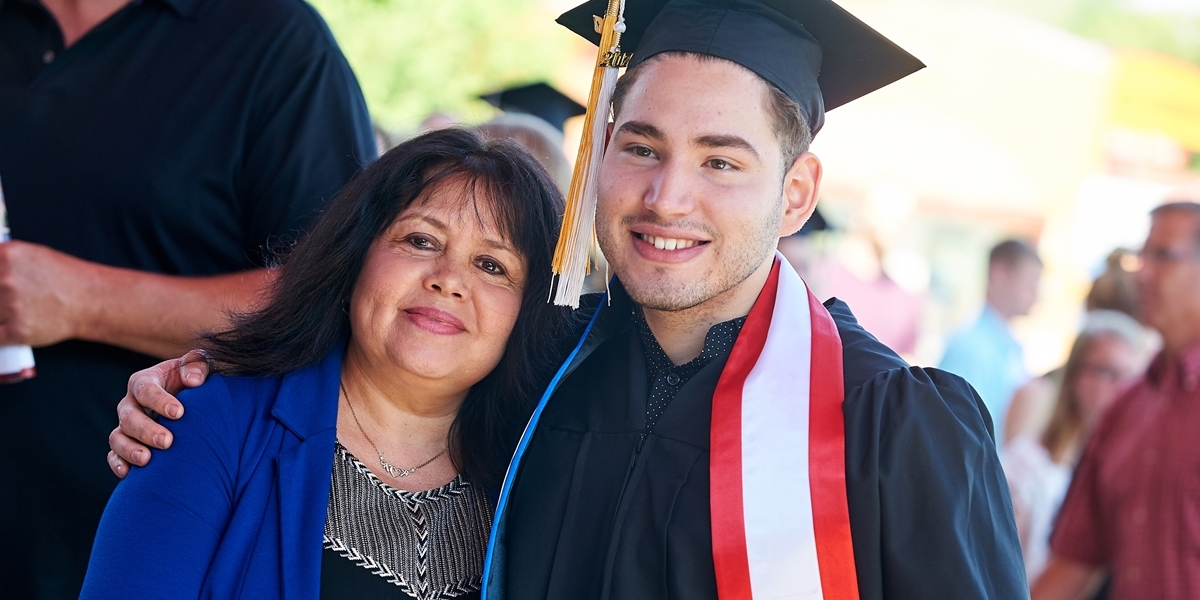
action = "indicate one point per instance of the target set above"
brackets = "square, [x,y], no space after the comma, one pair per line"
[125,452]
[193,368]
[146,389]
[151,397]
[137,424]
[149,393]
[119,467]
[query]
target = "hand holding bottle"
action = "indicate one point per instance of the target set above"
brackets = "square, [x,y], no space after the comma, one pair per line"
[16,362]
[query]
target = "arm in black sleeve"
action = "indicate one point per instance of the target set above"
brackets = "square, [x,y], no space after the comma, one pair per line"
[308,132]
[930,510]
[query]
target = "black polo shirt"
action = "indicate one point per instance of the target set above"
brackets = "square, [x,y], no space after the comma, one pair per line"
[178,137]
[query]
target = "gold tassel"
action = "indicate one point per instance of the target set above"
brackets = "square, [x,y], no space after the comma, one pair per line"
[576,241]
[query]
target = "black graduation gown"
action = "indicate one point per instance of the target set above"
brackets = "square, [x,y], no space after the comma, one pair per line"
[596,511]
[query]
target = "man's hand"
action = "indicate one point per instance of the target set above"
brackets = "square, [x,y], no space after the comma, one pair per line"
[42,294]
[1066,579]
[47,296]
[150,393]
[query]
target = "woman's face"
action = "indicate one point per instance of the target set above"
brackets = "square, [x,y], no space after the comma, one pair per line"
[1107,366]
[439,292]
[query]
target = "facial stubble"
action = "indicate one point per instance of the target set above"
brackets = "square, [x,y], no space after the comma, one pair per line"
[734,263]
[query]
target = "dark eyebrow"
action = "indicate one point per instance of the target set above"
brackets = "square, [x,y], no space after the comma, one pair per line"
[491,243]
[433,221]
[501,246]
[711,141]
[642,129]
[726,141]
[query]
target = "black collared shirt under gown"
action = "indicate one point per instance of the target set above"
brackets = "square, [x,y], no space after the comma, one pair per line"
[602,510]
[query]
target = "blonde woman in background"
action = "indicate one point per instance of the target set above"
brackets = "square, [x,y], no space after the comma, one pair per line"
[1113,290]
[1103,360]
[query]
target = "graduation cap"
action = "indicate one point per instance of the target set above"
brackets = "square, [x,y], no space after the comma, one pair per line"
[813,50]
[538,99]
[820,55]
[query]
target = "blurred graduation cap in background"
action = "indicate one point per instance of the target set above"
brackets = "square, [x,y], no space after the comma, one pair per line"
[538,99]
[814,224]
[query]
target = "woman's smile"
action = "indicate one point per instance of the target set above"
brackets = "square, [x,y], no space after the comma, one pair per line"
[435,321]
[439,291]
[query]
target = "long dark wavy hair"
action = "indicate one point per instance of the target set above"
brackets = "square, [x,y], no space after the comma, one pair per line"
[304,318]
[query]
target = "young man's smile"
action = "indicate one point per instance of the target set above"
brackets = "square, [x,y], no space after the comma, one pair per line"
[691,198]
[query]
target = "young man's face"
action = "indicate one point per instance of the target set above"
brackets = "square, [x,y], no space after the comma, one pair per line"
[691,196]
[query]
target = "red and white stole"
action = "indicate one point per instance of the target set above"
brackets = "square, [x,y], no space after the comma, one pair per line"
[780,520]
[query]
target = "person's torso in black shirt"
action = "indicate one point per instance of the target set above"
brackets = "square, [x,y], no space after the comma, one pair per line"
[665,379]
[178,137]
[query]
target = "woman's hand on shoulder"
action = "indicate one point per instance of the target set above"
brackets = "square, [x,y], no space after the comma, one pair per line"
[150,393]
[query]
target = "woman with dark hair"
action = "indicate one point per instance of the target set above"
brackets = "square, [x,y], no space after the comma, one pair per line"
[364,416]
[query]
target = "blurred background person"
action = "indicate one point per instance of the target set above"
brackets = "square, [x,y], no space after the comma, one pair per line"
[438,119]
[986,354]
[800,248]
[1113,291]
[535,135]
[1102,360]
[384,140]
[150,152]
[1131,510]
[1115,288]
[853,271]
[534,116]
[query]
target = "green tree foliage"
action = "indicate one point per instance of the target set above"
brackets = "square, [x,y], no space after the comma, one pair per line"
[1120,23]
[1110,22]
[413,57]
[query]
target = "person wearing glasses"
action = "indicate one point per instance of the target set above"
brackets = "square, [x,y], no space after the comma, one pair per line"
[1133,509]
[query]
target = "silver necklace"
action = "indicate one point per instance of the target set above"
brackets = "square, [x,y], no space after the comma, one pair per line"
[391,469]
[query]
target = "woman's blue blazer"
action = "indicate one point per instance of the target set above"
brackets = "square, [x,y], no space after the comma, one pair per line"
[236,508]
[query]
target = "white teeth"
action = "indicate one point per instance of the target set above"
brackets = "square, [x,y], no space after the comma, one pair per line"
[667,243]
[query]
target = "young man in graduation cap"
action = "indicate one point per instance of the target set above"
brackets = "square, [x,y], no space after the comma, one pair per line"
[717,432]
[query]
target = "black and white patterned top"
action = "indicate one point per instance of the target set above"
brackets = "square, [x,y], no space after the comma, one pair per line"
[664,378]
[429,544]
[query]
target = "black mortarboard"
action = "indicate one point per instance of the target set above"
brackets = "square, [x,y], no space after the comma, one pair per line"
[538,99]
[817,53]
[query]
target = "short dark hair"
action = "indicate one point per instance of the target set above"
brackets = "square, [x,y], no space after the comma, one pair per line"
[1181,206]
[305,317]
[787,121]
[1010,253]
